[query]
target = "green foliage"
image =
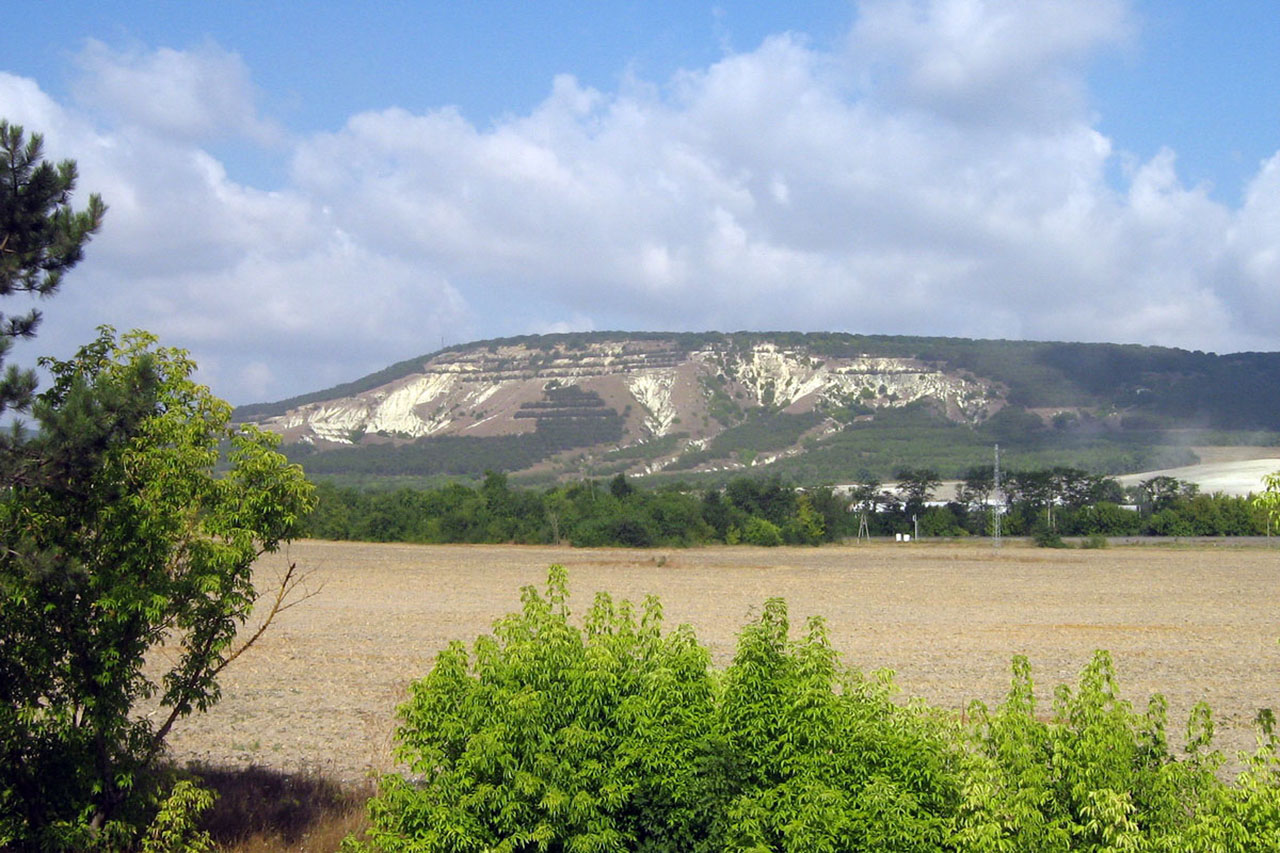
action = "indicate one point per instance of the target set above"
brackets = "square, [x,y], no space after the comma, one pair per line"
[1269,500]
[760,433]
[1094,777]
[946,521]
[1107,519]
[806,527]
[654,448]
[1044,537]
[761,531]
[1057,502]
[462,455]
[616,737]
[41,238]
[823,759]
[585,513]
[121,537]
[175,827]
[549,736]
[723,408]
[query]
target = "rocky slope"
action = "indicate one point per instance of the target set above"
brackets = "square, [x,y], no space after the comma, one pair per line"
[655,387]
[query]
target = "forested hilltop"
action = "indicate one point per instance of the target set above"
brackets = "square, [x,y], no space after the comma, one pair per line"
[813,407]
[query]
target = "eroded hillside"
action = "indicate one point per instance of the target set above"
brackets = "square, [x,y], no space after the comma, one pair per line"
[648,389]
[818,406]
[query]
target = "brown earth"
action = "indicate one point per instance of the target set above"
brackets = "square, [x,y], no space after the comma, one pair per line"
[1197,623]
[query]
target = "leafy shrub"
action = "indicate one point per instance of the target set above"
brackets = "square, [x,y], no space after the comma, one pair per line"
[552,736]
[1045,537]
[1094,541]
[761,531]
[822,759]
[1097,776]
[174,829]
[618,737]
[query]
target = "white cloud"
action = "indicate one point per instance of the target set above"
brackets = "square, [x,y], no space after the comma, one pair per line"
[989,62]
[1252,279]
[940,174]
[194,95]
[245,278]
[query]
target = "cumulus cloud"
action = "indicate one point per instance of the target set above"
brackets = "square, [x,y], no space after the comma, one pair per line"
[192,95]
[269,293]
[989,62]
[938,173]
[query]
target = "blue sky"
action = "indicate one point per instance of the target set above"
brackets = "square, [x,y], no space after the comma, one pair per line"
[304,193]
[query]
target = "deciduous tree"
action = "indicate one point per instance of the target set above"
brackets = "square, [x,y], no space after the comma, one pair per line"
[120,537]
[917,487]
[1269,500]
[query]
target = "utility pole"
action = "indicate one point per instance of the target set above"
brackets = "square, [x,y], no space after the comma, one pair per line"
[995,493]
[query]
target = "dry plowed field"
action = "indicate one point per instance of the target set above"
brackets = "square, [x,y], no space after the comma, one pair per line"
[1195,623]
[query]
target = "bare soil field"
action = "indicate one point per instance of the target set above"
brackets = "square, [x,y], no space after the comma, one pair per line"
[318,693]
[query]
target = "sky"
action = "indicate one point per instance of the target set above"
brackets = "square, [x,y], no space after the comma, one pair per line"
[301,194]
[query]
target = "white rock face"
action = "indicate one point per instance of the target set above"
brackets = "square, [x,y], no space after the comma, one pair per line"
[332,422]
[421,406]
[786,377]
[415,409]
[652,390]
[900,381]
[781,377]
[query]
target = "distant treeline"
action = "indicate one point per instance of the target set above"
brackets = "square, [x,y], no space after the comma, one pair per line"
[1046,504]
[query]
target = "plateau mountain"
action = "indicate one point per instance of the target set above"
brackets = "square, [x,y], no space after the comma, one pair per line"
[813,407]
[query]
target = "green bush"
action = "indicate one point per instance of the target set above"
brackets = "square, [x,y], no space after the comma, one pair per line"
[1045,537]
[761,531]
[1096,776]
[550,736]
[615,736]
[618,737]
[1094,541]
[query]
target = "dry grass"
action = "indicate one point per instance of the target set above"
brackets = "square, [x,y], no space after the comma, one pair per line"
[316,698]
